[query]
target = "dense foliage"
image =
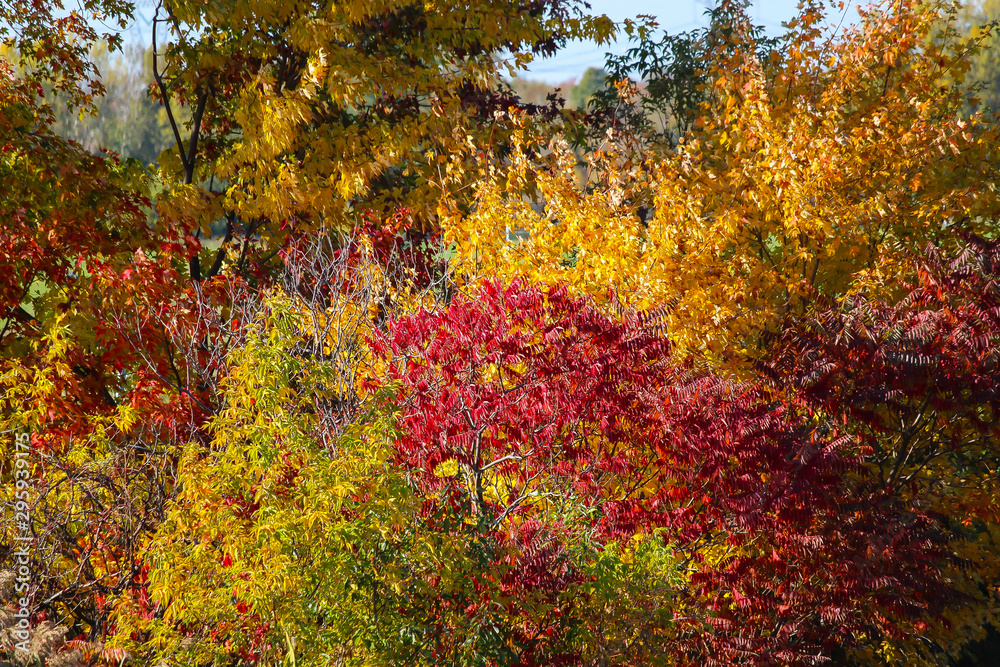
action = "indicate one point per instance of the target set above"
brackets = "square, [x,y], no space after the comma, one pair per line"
[364,369]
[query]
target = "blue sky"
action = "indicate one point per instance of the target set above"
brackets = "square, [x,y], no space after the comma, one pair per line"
[673,16]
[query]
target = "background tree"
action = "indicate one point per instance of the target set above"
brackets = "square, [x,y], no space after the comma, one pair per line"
[594,79]
[668,76]
[978,22]
[124,119]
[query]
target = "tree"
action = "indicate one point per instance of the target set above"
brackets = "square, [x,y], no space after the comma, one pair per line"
[978,23]
[592,81]
[915,380]
[803,171]
[125,119]
[293,563]
[310,116]
[68,219]
[665,79]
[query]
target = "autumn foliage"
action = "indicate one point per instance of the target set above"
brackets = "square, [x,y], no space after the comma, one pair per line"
[369,371]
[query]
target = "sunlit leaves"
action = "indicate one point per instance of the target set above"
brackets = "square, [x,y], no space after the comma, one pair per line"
[833,157]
